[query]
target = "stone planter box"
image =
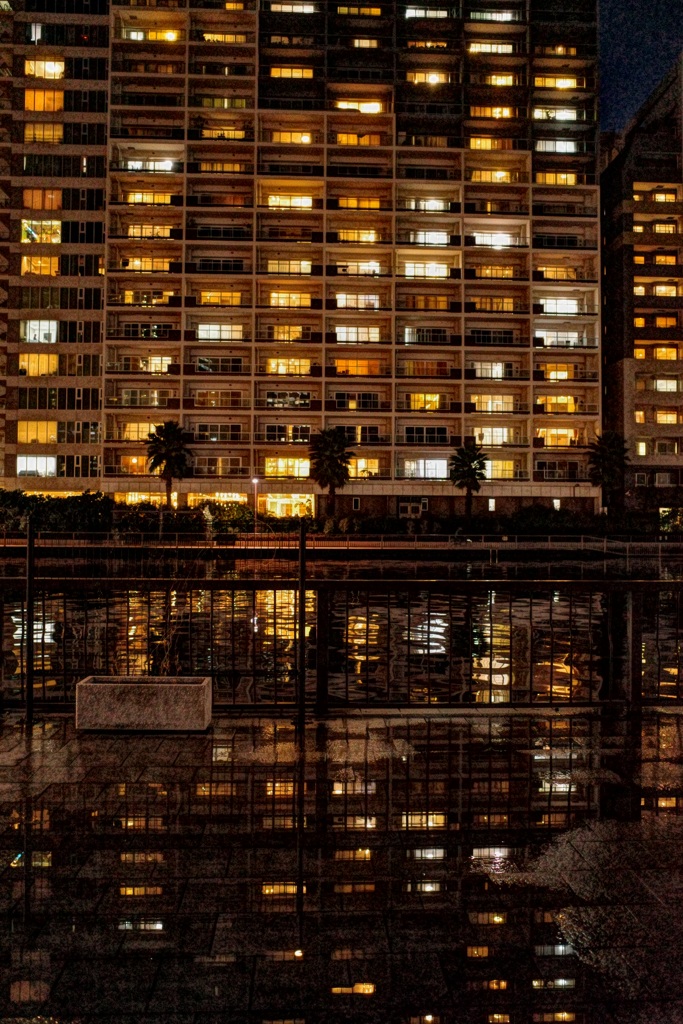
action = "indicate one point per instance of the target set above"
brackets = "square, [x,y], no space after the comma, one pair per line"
[144,703]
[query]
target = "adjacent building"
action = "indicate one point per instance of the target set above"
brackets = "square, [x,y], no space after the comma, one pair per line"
[263,221]
[642,198]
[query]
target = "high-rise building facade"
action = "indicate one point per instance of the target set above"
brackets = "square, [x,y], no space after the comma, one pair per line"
[643,316]
[382,218]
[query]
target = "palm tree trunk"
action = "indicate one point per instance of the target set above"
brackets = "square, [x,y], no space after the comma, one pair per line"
[169,488]
[468,507]
[331,499]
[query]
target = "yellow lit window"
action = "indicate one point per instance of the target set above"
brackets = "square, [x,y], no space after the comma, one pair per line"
[428,402]
[290,299]
[556,178]
[639,353]
[477,952]
[348,887]
[36,431]
[279,889]
[638,229]
[353,854]
[552,82]
[44,99]
[50,134]
[639,416]
[353,139]
[284,365]
[665,352]
[668,416]
[483,142]
[149,230]
[426,270]
[365,44]
[358,367]
[291,138]
[439,302]
[558,273]
[361,988]
[224,37]
[148,198]
[665,228]
[496,112]
[358,235]
[355,300]
[234,5]
[224,166]
[363,106]
[639,260]
[666,291]
[38,365]
[560,50]
[43,231]
[660,321]
[427,44]
[283,467]
[423,819]
[291,72]
[279,789]
[360,468]
[140,890]
[220,298]
[501,79]
[359,203]
[428,77]
[289,266]
[639,289]
[490,47]
[42,198]
[665,197]
[367,12]
[501,177]
[290,202]
[292,7]
[156,35]
[215,789]
[488,917]
[639,321]
[47,266]
[499,1018]
[44,68]
[663,260]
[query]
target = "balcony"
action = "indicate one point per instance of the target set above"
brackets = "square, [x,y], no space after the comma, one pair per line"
[496,339]
[578,475]
[500,409]
[578,409]
[219,401]
[508,373]
[552,241]
[141,402]
[429,437]
[565,343]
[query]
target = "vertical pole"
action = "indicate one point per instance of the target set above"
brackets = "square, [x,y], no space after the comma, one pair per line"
[30,646]
[301,630]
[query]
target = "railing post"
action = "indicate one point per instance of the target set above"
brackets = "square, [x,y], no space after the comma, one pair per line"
[30,646]
[322,631]
[301,718]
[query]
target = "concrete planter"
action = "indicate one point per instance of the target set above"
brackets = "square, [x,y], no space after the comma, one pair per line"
[147,703]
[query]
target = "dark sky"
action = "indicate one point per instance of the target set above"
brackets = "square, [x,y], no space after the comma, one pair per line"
[640,41]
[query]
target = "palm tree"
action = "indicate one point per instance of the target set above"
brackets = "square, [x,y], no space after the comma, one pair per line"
[607,461]
[468,467]
[167,452]
[330,457]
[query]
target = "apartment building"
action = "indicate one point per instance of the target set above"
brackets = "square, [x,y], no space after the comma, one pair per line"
[382,218]
[643,315]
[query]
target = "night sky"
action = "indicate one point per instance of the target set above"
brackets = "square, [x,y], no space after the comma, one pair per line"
[640,41]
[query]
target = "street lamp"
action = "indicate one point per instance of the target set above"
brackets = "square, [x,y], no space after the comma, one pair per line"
[255,482]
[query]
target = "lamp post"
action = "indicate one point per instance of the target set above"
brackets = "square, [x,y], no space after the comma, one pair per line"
[255,482]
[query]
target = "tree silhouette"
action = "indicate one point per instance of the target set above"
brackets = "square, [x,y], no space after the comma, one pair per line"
[607,461]
[468,467]
[330,457]
[167,452]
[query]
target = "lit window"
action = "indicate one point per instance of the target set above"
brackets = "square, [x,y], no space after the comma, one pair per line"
[667,416]
[289,266]
[42,198]
[210,789]
[291,138]
[665,384]
[293,365]
[428,77]
[156,35]
[279,889]
[358,235]
[640,260]
[665,352]
[148,198]
[219,332]
[220,298]
[561,949]
[553,983]
[490,47]
[362,988]
[43,231]
[350,887]
[358,12]
[501,79]
[426,12]
[359,203]
[665,197]
[49,134]
[662,259]
[660,322]
[44,68]
[666,291]
[477,952]
[639,416]
[427,205]
[140,890]
[354,139]
[664,228]
[290,202]
[638,229]
[291,72]
[353,300]
[46,266]
[639,289]
[423,819]
[38,365]
[36,465]
[48,100]
[486,176]
[290,299]
[427,44]
[487,917]
[225,37]
[279,788]
[553,82]
[425,469]
[556,178]
[493,16]
[555,146]
[495,112]
[353,854]
[363,106]
[283,467]
[36,431]
[43,331]
[365,44]
[555,114]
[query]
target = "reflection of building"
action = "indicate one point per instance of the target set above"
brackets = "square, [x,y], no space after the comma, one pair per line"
[643,201]
[381,218]
[173,879]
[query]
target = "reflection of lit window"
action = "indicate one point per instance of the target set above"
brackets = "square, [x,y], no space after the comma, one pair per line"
[361,988]
[423,819]
[353,854]
[291,72]
[477,952]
